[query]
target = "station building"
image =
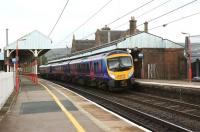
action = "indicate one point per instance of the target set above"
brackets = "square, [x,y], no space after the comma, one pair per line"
[154,57]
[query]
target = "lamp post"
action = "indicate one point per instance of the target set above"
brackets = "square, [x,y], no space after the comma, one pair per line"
[189,51]
[16,69]
[17,65]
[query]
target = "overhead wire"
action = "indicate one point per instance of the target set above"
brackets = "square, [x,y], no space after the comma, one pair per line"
[146,12]
[88,35]
[58,18]
[136,17]
[130,12]
[180,7]
[152,9]
[179,19]
[93,15]
[172,10]
[123,16]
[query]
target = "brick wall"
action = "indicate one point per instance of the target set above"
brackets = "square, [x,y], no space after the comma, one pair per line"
[164,64]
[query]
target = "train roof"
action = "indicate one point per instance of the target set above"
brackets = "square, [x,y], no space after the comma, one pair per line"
[74,57]
[86,58]
[117,52]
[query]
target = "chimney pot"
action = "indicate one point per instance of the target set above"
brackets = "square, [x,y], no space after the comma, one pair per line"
[132,18]
[105,28]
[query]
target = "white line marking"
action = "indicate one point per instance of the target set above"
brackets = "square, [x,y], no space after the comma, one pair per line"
[179,85]
[144,129]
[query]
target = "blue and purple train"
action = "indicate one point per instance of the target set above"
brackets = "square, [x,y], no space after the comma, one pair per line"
[112,70]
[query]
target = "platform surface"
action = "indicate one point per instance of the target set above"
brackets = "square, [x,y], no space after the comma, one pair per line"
[36,111]
[178,83]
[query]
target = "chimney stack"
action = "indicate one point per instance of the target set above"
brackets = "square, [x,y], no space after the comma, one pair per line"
[105,28]
[132,25]
[146,27]
[108,36]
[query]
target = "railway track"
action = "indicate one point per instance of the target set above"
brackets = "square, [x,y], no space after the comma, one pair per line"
[180,113]
[121,104]
[187,110]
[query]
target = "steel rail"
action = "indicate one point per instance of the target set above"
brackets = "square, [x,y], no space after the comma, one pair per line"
[148,121]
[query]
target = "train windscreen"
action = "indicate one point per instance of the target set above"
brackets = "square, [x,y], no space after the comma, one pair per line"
[119,63]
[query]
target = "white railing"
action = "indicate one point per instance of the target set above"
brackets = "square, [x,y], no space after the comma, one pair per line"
[6,86]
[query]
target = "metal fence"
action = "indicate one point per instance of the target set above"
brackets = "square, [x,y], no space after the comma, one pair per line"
[6,86]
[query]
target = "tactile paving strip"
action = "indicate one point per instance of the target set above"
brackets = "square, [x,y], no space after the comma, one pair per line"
[45,106]
[31,88]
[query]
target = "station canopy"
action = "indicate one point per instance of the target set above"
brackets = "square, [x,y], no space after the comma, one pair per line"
[29,46]
[195,47]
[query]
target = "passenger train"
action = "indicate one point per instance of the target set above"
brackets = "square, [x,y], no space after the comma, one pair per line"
[112,70]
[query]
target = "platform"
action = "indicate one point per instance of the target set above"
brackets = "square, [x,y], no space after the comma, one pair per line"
[176,83]
[179,90]
[38,109]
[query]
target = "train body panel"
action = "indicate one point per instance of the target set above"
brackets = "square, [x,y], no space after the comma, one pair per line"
[113,70]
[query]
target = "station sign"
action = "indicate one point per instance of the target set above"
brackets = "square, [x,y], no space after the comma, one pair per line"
[14,60]
[141,55]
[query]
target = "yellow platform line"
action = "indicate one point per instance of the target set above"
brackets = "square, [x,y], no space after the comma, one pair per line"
[78,127]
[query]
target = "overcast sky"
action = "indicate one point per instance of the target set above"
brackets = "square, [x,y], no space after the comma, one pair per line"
[24,16]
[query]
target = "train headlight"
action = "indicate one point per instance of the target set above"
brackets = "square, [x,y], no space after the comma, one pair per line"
[130,74]
[112,76]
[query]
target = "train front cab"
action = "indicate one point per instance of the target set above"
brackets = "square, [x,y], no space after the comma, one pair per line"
[120,69]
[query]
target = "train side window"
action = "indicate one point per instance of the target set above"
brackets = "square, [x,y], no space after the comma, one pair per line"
[84,68]
[73,67]
[79,69]
[67,68]
[100,67]
[96,67]
[87,68]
